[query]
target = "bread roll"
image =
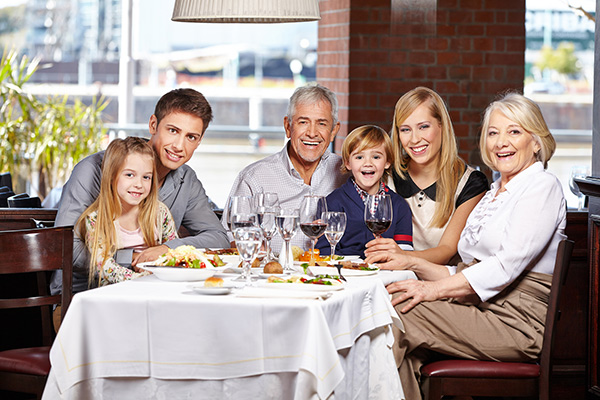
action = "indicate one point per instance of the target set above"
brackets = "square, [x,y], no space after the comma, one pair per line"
[213,282]
[273,267]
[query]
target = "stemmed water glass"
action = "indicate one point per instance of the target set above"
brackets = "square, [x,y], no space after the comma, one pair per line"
[580,172]
[247,241]
[311,220]
[336,225]
[238,205]
[378,213]
[287,225]
[266,208]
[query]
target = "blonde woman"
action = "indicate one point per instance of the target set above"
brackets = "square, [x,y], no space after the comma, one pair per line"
[126,214]
[437,184]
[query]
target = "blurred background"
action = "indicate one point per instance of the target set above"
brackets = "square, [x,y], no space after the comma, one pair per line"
[83,49]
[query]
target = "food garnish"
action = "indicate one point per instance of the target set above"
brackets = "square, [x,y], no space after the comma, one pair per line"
[319,280]
[184,257]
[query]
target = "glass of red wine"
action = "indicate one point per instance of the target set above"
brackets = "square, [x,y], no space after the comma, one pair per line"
[378,213]
[312,222]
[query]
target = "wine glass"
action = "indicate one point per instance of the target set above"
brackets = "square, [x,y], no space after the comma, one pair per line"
[237,205]
[247,241]
[266,206]
[266,221]
[287,225]
[243,220]
[378,213]
[311,220]
[578,171]
[336,225]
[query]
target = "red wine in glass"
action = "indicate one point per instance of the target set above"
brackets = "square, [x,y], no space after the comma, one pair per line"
[378,213]
[313,229]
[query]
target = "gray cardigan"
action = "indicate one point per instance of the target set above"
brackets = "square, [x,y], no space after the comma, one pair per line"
[181,191]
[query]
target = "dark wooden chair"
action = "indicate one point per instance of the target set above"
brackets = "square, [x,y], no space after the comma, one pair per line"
[24,201]
[39,252]
[502,379]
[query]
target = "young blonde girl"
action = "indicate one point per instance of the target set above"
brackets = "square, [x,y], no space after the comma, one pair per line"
[127,215]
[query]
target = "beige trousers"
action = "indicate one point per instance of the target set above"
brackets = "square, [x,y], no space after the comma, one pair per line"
[510,327]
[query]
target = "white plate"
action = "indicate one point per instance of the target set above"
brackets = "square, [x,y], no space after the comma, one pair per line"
[211,290]
[180,274]
[301,286]
[345,271]
[231,260]
[266,276]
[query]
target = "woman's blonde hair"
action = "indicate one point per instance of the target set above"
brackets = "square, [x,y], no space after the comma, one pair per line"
[450,166]
[367,137]
[528,115]
[108,204]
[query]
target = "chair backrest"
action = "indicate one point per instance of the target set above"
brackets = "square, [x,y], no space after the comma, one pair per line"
[39,251]
[563,258]
[6,180]
[4,197]
[24,201]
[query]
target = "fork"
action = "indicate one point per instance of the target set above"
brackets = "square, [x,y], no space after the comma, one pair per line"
[339,268]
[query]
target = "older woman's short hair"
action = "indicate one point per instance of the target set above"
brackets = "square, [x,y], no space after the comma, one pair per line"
[528,115]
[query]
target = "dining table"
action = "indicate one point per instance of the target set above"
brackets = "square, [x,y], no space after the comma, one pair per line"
[152,338]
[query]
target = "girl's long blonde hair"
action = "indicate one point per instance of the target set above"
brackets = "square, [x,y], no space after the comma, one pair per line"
[450,166]
[104,241]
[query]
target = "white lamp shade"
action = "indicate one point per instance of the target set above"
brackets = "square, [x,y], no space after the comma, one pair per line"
[246,11]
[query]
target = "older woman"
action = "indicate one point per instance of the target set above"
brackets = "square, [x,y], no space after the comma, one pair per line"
[437,184]
[493,306]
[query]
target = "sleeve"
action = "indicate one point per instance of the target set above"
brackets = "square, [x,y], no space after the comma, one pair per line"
[167,225]
[477,183]
[80,191]
[199,219]
[528,232]
[403,223]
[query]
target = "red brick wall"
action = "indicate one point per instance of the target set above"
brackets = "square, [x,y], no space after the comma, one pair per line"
[372,52]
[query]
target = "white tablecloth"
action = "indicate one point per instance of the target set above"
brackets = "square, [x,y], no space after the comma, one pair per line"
[164,338]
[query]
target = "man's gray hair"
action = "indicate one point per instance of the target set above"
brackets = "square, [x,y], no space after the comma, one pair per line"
[310,94]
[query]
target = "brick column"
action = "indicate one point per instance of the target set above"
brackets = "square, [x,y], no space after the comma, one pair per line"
[469,51]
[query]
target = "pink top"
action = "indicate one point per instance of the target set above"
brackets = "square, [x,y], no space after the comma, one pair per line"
[130,239]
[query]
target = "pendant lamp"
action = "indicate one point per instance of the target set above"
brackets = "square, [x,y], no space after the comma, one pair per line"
[246,11]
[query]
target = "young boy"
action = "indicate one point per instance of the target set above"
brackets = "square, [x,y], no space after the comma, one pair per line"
[367,154]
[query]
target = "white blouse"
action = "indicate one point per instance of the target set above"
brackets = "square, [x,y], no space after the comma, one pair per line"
[516,230]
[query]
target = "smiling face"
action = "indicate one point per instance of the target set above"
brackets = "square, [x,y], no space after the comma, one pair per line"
[310,131]
[135,180]
[367,167]
[510,147]
[421,136]
[174,140]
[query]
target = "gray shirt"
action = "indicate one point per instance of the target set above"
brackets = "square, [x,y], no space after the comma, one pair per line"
[181,191]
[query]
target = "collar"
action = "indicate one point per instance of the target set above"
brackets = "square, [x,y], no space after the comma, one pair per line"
[383,189]
[517,180]
[286,160]
[407,188]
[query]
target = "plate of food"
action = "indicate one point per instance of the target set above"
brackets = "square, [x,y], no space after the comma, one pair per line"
[302,282]
[184,263]
[349,268]
[223,252]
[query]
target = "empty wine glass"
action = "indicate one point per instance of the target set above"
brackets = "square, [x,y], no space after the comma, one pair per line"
[247,241]
[580,172]
[378,213]
[266,206]
[287,225]
[311,220]
[238,205]
[336,225]
[266,221]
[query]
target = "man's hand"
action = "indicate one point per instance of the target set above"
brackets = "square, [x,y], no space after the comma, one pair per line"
[150,254]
